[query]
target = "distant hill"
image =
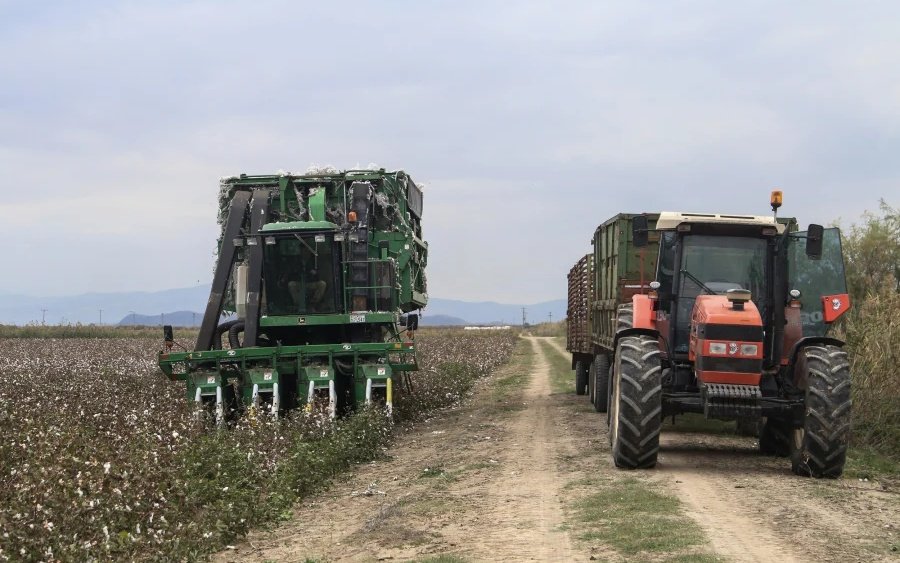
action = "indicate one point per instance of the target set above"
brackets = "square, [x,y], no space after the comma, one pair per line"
[177,318]
[185,306]
[490,312]
[441,320]
[85,308]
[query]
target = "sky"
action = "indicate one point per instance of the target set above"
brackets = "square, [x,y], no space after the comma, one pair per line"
[529,123]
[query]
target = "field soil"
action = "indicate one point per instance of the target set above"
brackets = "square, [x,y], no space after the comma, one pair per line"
[498,478]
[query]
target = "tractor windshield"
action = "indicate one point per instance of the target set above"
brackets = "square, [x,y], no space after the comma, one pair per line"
[816,278]
[300,275]
[713,265]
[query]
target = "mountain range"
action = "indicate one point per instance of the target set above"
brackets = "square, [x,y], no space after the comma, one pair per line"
[185,306]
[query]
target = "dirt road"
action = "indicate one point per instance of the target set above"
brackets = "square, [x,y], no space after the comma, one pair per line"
[506,478]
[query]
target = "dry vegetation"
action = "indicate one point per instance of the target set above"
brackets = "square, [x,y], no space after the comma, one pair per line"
[873,338]
[101,458]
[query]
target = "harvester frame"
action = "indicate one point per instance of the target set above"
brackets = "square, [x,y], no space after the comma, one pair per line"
[323,271]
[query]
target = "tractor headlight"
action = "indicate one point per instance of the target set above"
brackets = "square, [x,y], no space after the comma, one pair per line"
[717,348]
[749,349]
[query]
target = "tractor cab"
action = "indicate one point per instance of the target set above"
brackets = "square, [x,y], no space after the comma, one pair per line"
[711,255]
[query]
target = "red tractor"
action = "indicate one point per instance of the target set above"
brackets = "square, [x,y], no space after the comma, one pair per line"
[733,326]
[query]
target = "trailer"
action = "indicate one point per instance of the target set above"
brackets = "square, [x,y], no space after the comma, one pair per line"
[614,272]
[578,320]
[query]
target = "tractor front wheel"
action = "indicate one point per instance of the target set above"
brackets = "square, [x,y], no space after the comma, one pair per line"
[636,408]
[819,448]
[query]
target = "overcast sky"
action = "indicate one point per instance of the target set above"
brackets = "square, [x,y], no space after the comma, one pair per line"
[529,124]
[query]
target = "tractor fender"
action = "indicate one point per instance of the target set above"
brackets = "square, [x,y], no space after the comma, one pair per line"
[643,312]
[809,341]
[652,332]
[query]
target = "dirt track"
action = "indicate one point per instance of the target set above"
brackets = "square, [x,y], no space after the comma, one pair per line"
[495,480]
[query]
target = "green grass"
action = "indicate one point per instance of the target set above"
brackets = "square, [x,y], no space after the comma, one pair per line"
[562,377]
[629,516]
[865,463]
[438,474]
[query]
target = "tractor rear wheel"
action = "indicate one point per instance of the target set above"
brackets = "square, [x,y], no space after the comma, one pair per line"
[819,448]
[581,377]
[601,382]
[636,408]
[775,438]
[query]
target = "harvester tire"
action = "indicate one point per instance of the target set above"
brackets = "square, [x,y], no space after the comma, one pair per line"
[625,317]
[819,448]
[581,377]
[601,382]
[636,407]
[775,438]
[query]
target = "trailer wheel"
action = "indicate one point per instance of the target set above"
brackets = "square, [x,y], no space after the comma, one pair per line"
[601,383]
[636,409]
[581,377]
[819,448]
[775,438]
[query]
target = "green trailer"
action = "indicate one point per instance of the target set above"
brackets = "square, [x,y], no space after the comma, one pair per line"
[614,272]
[315,287]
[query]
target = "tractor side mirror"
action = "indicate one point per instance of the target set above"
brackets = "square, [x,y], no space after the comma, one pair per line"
[639,231]
[412,322]
[814,236]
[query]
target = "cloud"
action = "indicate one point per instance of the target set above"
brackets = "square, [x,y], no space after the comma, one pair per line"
[531,123]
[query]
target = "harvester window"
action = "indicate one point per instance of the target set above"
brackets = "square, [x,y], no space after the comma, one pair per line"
[299,276]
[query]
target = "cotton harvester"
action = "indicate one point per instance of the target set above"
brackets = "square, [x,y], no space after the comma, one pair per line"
[321,273]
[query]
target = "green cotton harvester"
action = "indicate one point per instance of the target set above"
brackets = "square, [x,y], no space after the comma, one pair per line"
[312,296]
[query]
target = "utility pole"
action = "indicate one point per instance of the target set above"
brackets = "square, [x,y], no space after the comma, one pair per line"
[101,316]
[193,319]
[523,317]
[550,317]
[43,317]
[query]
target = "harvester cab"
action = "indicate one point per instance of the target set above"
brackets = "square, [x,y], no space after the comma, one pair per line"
[735,327]
[317,269]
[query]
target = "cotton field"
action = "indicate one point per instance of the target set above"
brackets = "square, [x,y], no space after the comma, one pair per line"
[101,457]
